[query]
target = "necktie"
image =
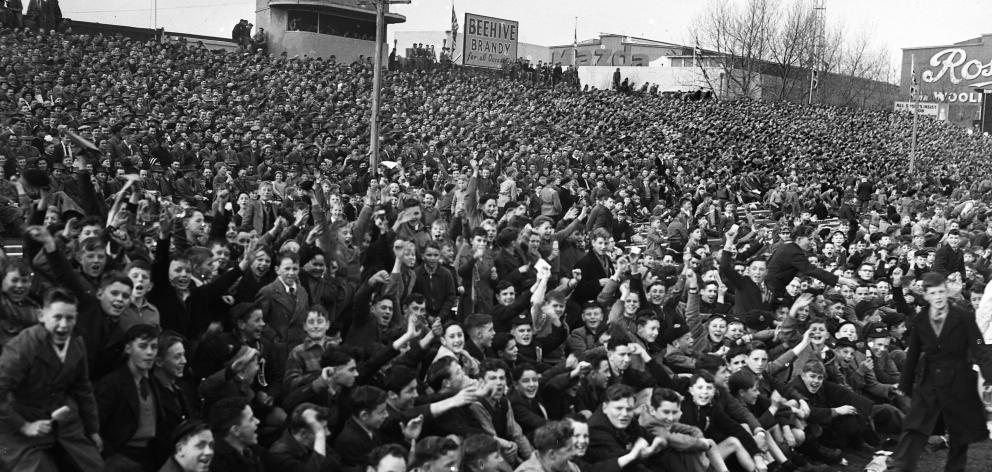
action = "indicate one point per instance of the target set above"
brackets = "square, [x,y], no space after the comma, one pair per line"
[938,325]
[143,388]
[292,292]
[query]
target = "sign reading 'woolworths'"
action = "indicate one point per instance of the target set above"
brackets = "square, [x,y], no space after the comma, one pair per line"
[489,42]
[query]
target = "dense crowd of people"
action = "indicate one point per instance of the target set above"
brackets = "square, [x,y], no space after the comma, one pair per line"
[39,14]
[535,278]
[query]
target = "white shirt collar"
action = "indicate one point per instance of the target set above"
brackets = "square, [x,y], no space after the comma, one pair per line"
[285,285]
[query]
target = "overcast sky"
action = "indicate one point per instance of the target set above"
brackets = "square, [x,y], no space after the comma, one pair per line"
[894,24]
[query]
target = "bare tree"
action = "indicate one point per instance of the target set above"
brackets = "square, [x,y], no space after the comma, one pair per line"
[764,49]
[861,62]
[792,48]
[737,38]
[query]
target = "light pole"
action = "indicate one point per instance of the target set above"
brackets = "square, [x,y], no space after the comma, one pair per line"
[380,31]
[816,62]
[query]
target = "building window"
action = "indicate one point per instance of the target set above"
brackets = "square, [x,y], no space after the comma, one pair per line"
[314,22]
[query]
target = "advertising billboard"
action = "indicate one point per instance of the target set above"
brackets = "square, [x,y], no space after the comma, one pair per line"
[954,74]
[489,42]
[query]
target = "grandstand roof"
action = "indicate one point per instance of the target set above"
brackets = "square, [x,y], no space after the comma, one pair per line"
[346,8]
[632,40]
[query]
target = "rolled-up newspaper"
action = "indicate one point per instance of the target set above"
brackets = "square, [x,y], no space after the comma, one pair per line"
[61,414]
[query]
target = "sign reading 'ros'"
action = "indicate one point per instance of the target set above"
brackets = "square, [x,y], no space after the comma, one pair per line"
[489,42]
[953,64]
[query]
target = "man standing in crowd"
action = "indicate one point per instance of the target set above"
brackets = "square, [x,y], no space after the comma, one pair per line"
[939,379]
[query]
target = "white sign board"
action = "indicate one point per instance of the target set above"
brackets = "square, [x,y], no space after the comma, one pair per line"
[489,42]
[936,110]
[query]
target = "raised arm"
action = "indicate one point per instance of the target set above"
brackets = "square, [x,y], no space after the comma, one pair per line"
[727,272]
[64,273]
[91,203]
[160,266]
[778,365]
[472,192]
[220,286]
[572,226]
[37,217]
[692,315]
[537,297]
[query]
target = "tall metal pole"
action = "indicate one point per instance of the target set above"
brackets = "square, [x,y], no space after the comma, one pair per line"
[916,109]
[575,46]
[819,31]
[912,146]
[380,19]
[380,38]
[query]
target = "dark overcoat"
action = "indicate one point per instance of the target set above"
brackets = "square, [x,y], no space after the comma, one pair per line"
[939,378]
[33,384]
[285,314]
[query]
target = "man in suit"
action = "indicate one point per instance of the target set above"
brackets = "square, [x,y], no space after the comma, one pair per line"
[173,392]
[436,283]
[284,302]
[550,200]
[512,260]
[678,229]
[361,431]
[949,258]
[261,214]
[116,142]
[790,259]
[601,215]
[189,188]
[750,292]
[496,414]
[42,370]
[943,345]
[130,411]
[595,266]
[614,431]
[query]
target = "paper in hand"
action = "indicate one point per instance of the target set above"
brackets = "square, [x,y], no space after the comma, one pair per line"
[82,142]
[61,414]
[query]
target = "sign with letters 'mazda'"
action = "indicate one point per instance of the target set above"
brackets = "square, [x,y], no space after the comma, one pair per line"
[597,56]
[489,42]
